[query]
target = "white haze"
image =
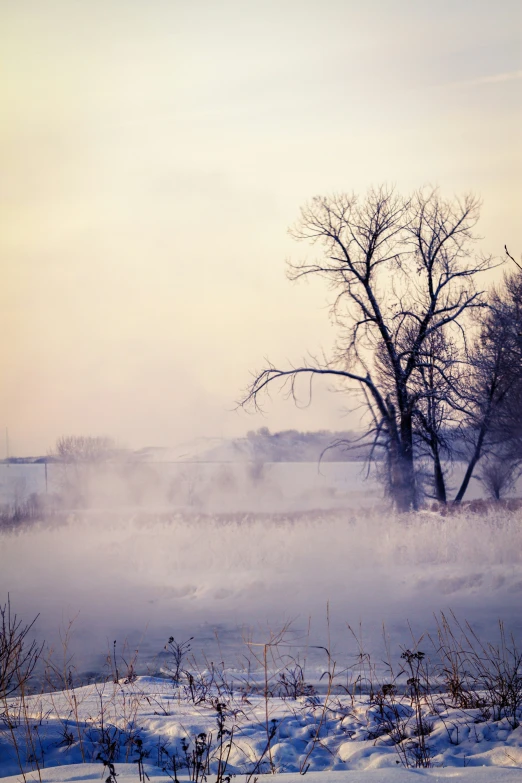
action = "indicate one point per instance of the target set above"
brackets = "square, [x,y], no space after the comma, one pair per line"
[141,576]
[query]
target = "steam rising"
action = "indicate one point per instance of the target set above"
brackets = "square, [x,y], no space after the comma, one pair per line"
[146,575]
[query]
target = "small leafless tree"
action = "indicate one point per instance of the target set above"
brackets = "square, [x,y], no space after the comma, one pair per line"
[498,475]
[403,272]
[83,448]
[81,459]
[18,655]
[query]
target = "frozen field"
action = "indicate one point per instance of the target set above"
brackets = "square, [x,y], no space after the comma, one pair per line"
[127,774]
[341,738]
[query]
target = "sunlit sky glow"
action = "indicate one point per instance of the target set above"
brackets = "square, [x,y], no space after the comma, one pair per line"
[154,153]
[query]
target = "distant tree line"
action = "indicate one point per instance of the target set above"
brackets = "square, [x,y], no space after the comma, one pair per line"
[295,446]
[84,448]
[433,358]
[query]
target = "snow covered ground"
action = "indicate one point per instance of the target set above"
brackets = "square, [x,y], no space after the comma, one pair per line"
[244,734]
[127,774]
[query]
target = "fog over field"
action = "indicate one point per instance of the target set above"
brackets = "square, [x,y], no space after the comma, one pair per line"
[112,585]
[144,574]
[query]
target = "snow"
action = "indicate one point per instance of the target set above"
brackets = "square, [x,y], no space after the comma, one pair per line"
[127,774]
[331,735]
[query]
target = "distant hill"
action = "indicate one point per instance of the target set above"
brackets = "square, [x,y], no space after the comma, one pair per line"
[263,446]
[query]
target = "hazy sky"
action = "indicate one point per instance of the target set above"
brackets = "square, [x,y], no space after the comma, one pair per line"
[154,153]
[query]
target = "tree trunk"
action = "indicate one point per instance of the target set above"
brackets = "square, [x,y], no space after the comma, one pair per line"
[440,484]
[472,463]
[405,494]
[402,473]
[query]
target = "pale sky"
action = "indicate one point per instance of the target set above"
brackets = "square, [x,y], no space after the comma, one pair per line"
[154,153]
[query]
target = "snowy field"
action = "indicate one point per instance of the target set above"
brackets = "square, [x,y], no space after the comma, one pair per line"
[127,774]
[238,732]
[349,576]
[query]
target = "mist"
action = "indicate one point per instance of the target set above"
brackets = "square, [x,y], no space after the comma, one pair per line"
[142,574]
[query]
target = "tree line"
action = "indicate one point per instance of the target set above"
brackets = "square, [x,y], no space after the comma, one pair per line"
[433,357]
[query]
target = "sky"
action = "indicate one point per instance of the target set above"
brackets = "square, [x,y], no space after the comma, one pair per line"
[154,154]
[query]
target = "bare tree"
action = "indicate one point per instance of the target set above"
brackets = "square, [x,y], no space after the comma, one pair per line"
[403,272]
[83,448]
[81,458]
[492,396]
[507,320]
[18,656]
[498,475]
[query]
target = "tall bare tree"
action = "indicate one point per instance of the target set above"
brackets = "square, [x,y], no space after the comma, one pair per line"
[492,396]
[507,325]
[403,273]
